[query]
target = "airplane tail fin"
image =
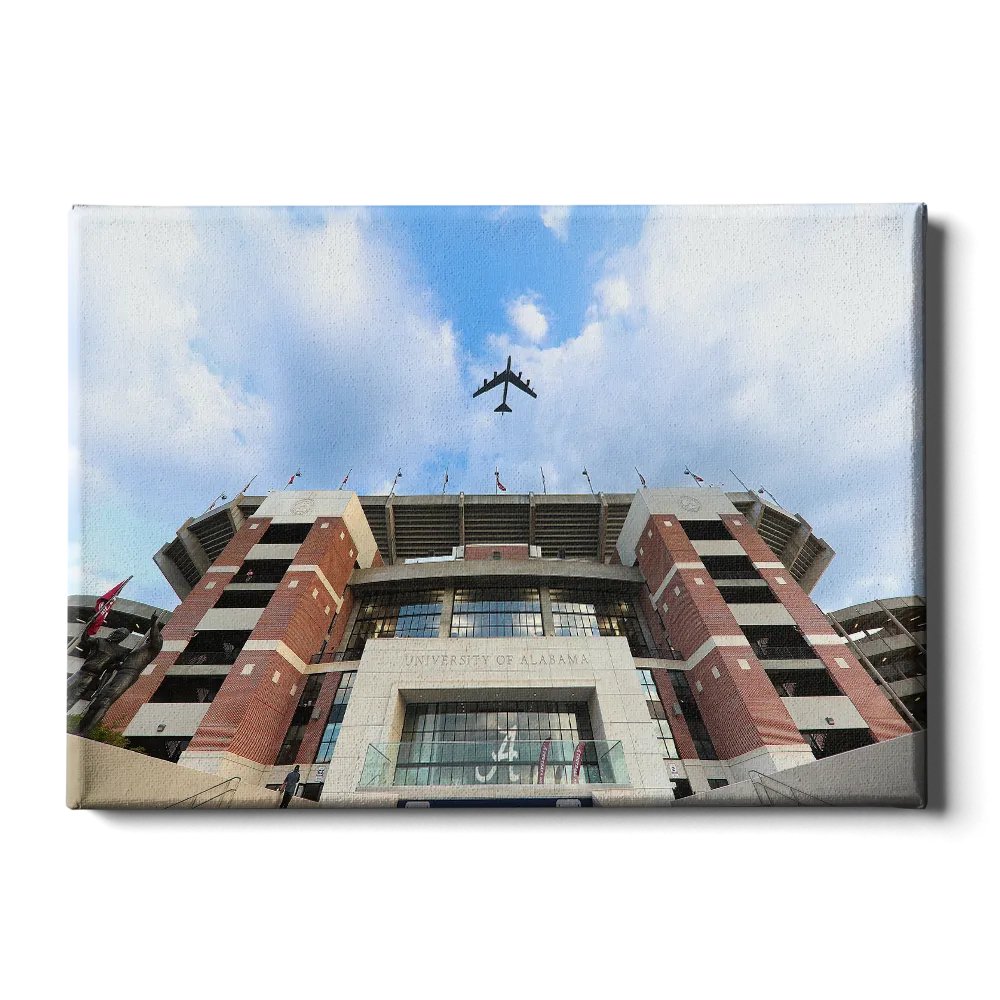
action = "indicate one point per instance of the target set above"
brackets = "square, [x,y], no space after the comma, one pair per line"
[503,408]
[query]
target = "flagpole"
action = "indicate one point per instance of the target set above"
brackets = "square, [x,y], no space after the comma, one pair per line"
[245,488]
[740,481]
[688,472]
[445,486]
[542,471]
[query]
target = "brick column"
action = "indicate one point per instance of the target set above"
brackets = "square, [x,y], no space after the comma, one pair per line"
[741,709]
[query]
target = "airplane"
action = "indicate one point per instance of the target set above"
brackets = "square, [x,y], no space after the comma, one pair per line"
[508,378]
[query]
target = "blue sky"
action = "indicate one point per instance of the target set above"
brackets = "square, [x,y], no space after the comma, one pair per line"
[210,345]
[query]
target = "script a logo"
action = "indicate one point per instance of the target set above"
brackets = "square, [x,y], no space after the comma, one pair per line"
[507,751]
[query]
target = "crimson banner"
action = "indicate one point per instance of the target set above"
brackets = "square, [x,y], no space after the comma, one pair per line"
[543,760]
[577,761]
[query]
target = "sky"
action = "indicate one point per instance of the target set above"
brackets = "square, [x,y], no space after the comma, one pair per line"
[776,345]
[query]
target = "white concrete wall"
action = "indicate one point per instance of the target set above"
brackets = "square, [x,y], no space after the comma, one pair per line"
[761,614]
[681,503]
[99,776]
[812,713]
[302,506]
[891,773]
[284,551]
[179,719]
[718,547]
[231,618]
[394,672]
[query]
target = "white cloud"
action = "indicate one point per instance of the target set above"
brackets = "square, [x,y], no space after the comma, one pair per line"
[527,317]
[613,295]
[556,218]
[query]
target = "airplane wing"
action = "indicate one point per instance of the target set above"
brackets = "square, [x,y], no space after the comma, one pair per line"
[523,386]
[495,381]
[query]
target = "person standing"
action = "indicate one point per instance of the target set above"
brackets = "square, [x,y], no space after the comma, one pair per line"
[288,786]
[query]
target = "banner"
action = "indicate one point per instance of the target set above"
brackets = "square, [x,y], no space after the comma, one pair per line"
[543,761]
[577,761]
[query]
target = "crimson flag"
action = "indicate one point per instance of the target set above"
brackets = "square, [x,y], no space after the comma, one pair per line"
[499,484]
[103,606]
[577,761]
[543,761]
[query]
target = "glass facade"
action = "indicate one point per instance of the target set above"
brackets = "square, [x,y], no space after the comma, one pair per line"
[414,615]
[300,719]
[495,611]
[584,612]
[703,745]
[661,727]
[475,743]
[336,717]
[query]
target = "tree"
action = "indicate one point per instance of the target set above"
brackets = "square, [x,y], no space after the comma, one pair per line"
[102,734]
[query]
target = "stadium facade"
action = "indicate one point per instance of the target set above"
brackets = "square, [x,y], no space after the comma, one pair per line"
[539,649]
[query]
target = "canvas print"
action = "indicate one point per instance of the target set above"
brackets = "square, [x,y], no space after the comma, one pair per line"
[496,506]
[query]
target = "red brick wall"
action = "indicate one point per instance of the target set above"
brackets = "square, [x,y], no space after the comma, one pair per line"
[741,709]
[486,551]
[875,708]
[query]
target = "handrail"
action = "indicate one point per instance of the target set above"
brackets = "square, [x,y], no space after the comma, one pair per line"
[795,792]
[228,781]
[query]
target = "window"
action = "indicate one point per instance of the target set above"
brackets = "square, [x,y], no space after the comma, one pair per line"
[300,720]
[286,534]
[245,598]
[473,743]
[703,745]
[748,595]
[290,746]
[496,611]
[730,568]
[658,715]
[803,683]
[826,743]
[586,612]
[219,646]
[262,571]
[704,531]
[778,642]
[682,788]
[337,711]
[717,782]
[181,689]
[415,615]
[167,748]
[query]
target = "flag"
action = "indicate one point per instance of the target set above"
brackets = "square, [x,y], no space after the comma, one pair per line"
[543,761]
[102,606]
[221,496]
[245,488]
[697,479]
[292,480]
[577,761]
[500,485]
[348,476]
[639,474]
